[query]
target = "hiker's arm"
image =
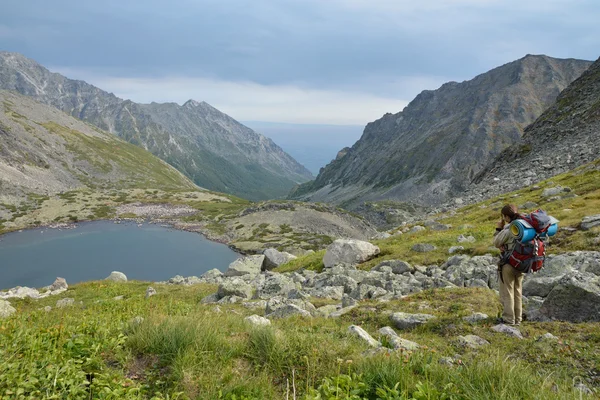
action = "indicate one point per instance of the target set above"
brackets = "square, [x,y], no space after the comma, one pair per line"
[502,237]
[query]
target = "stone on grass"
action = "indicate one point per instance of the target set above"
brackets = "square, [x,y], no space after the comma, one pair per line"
[348,301]
[6,310]
[364,335]
[423,247]
[547,336]
[211,298]
[472,341]
[509,330]
[274,258]
[590,221]
[396,266]
[407,321]
[349,252]
[62,303]
[289,310]
[150,292]
[465,239]
[454,249]
[396,341]
[417,228]
[117,276]
[476,317]
[249,265]
[325,311]
[553,191]
[257,320]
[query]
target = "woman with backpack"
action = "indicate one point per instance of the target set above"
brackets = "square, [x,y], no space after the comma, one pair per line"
[511,280]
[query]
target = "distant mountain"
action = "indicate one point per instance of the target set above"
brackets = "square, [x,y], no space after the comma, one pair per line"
[45,151]
[313,145]
[432,149]
[564,137]
[209,147]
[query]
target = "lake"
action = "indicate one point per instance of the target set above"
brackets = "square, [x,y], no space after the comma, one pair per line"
[92,250]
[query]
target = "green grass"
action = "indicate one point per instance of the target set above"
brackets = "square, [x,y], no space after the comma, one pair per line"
[183,350]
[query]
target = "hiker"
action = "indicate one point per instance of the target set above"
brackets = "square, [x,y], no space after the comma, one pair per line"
[511,280]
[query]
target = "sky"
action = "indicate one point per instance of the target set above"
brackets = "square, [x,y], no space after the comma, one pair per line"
[295,61]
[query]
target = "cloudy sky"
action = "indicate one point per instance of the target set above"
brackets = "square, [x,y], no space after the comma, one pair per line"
[300,61]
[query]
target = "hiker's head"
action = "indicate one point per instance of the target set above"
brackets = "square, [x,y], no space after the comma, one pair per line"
[509,212]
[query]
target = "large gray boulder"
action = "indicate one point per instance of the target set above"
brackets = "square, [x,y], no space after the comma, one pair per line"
[276,285]
[6,310]
[472,341]
[576,298]
[349,252]
[117,276]
[423,247]
[274,258]
[257,320]
[589,222]
[406,321]
[249,265]
[396,341]
[275,303]
[539,286]
[235,287]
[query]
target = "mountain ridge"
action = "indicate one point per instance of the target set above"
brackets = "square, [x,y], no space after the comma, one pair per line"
[257,169]
[440,141]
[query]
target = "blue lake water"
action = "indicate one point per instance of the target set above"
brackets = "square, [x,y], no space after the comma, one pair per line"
[91,251]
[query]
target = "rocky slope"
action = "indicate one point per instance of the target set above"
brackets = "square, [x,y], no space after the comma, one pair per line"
[564,137]
[445,137]
[45,151]
[209,147]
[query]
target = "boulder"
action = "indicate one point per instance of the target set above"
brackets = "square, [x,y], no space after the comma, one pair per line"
[396,341]
[398,267]
[20,292]
[289,310]
[235,287]
[212,276]
[359,332]
[476,317]
[423,247]
[249,265]
[150,292]
[117,276]
[275,258]
[341,311]
[576,298]
[6,310]
[275,303]
[472,341]
[553,191]
[589,222]
[329,292]
[276,285]
[465,239]
[211,298]
[66,302]
[417,228]
[257,320]
[509,330]
[349,252]
[539,286]
[326,311]
[59,284]
[455,249]
[406,321]
[348,301]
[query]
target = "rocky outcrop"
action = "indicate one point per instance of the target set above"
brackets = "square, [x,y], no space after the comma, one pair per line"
[407,321]
[211,148]
[349,252]
[590,222]
[565,136]
[433,148]
[59,286]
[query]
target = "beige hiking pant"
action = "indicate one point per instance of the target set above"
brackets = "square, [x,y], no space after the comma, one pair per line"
[511,294]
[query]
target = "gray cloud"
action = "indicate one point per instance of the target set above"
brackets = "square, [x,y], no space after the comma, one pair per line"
[382,48]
